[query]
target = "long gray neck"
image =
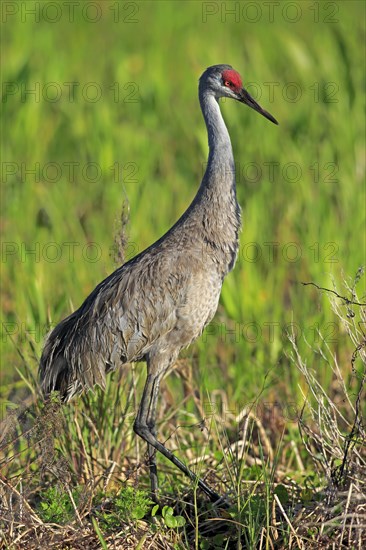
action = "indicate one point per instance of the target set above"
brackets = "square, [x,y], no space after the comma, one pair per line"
[213,218]
[218,136]
[218,208]
[220,171]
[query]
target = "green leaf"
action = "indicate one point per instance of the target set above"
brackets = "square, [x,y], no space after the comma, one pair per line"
[180,521]
[138,512]
[154,510]
[170,521]
[167,510]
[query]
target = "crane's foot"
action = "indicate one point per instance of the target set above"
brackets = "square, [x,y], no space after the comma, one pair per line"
[155,445]
[216,499]
[221,502]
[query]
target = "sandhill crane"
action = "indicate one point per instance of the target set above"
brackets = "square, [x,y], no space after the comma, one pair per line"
[160,301]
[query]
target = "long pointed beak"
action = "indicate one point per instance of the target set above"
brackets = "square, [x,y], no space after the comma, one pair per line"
[245,97]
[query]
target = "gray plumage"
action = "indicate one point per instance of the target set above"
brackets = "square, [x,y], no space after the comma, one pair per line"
[161,300]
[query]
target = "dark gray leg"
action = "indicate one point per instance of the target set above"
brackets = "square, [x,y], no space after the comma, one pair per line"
[153,472]
[151,423]
[144,426]
[146,417]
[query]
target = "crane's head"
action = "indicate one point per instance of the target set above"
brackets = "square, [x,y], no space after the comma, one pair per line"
[224,81]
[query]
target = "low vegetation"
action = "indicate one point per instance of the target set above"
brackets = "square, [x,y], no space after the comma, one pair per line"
[75,477]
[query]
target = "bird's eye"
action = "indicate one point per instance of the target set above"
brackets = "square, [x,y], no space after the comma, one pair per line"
[227,83]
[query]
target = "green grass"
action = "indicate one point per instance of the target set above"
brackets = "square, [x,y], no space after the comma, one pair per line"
[301,187]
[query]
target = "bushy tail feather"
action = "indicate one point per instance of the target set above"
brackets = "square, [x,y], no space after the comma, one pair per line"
[55,376]
[68,363]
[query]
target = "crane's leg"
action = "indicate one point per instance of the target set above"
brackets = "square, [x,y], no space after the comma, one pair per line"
[144,426]
[151,423]
[147,416]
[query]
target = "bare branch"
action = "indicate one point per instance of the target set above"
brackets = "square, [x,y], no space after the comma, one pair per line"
[347,300]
